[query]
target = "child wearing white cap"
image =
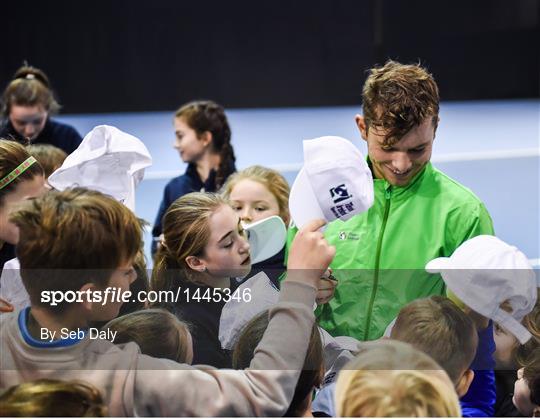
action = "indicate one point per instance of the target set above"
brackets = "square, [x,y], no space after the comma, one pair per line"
[481,275]
[495,280]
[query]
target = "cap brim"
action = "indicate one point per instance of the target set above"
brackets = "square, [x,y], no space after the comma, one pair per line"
[303,203]
[266,238]
[437,265]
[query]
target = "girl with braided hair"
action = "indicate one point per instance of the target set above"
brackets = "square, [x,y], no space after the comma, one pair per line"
[27,104]
[203,139]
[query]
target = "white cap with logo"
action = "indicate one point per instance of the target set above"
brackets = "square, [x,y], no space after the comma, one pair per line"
[334,183]
[485,272]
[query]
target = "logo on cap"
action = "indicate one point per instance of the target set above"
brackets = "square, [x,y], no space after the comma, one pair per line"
[339,193]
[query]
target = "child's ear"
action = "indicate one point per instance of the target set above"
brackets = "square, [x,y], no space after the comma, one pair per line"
[206,138]
[464,383]
[195,263]
[87,302]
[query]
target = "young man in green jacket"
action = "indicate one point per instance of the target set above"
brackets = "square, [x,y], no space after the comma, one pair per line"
[418,214]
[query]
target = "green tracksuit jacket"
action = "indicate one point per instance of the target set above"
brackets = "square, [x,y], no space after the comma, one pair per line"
[381,254]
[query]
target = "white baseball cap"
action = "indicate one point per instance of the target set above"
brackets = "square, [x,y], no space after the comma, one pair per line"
[334,183]
[483,273]
[107,160]
[266,238]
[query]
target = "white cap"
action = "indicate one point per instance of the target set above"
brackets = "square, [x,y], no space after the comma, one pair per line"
[483,273]
[107,160]
[266,238]
[236,313]
[335,182]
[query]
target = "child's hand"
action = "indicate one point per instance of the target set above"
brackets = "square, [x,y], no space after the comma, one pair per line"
[5,307]
[326,288]
[310,254]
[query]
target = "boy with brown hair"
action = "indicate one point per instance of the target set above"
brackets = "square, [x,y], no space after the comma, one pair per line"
[80,244]
[436,326]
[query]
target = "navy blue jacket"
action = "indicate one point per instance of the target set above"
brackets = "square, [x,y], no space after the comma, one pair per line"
[55,133]
[480,399]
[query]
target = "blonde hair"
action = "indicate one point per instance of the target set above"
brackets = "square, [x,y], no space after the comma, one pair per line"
[157,332]
[47,397]
[438,327]
[186,232]
[49,156]
[392,379]
[97,234]
[269,178]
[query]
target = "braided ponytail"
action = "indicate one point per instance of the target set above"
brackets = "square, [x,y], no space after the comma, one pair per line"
[226,164]
[208,116]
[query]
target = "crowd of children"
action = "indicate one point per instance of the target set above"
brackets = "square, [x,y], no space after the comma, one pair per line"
[465,339]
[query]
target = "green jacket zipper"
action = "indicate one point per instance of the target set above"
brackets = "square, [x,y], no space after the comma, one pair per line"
[387,196]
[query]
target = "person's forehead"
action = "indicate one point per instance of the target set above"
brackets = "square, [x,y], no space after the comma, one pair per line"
[20,112]
[180,124]
[222,221]
[419,135]
[250,190]
[28,188]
